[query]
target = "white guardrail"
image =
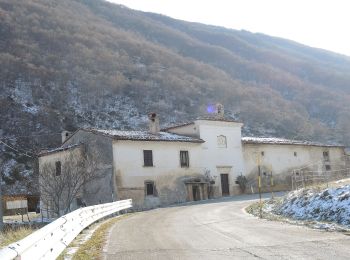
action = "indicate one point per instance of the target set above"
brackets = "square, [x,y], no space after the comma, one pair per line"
[50,241]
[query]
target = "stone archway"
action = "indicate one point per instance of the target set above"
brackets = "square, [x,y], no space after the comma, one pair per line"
[197,189]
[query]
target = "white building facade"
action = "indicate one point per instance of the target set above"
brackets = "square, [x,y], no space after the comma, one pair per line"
[193,161]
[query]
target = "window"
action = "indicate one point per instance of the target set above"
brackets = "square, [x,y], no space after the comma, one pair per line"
[184,159]
[328,167]
[326,156]
[262,153]
[58,168]
[149,188]
[221,141]
[295,154]
[147,158]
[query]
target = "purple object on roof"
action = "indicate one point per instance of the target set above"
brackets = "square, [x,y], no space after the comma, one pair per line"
[211,109]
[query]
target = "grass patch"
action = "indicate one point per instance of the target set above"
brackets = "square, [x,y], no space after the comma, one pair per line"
[12,235]
[92,249]
[254,209]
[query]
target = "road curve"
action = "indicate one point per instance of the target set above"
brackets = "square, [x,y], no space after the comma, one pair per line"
[219,229]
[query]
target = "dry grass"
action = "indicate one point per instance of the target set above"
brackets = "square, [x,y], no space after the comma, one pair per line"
[18,218]
[254,209]
[92,249]
[12,235]
[330,184]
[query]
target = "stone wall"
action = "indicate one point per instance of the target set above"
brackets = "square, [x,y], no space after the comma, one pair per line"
[99,149]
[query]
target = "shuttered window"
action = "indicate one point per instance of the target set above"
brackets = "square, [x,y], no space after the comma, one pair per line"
[326,156]
[147,158]
[184,159]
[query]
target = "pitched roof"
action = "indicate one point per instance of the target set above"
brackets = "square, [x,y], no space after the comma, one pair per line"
[273,140]
[59,149]
[145,136]
[177,125]
[216,118]
[208,117]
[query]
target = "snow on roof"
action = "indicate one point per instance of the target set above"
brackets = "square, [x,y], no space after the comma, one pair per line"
[273,140]
[59,149]
[145,136]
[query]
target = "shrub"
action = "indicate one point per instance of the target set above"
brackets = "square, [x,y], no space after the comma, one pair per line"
[242,182]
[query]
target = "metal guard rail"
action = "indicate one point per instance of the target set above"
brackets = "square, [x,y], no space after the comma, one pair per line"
[50,241]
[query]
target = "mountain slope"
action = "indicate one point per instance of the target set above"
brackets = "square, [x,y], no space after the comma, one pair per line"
[74,63]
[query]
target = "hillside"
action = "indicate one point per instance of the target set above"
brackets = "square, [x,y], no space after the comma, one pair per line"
[77,63]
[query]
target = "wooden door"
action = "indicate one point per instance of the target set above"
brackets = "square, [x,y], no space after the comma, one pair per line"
[195,192]
[225,185]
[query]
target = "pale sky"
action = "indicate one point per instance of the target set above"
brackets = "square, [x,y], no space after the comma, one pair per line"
[318,23]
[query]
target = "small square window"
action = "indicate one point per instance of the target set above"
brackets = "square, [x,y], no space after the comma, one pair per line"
[147,158]
[262,153]
[295,154]
[58,168]
[184,159]
[328,167]
[222,141]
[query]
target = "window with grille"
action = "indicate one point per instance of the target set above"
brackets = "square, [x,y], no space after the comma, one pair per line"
[184,159]
[58,168]
[147,158]
[149,188]
[328,167]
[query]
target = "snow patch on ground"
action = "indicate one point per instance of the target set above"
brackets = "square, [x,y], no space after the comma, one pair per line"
[329,205]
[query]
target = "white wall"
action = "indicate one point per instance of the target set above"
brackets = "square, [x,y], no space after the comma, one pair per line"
[49,160]
[222,160]
[128,158]
[280,158]
[166,172]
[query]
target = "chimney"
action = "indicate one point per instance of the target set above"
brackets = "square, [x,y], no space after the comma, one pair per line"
[65,135]
[153,123]
[219,110]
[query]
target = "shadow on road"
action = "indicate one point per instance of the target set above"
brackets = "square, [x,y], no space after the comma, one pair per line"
[243,197]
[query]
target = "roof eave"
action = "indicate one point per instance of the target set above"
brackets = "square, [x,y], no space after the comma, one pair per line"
[317,145]
[59,149]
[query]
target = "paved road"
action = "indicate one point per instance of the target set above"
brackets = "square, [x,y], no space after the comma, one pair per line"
[219,230]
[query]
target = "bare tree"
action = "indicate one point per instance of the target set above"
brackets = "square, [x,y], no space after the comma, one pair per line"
[1,213]
[60,189]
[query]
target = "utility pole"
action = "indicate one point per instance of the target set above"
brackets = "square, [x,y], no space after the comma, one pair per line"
[259,186]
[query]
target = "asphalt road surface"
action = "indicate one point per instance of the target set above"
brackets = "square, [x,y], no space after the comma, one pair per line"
[219,229]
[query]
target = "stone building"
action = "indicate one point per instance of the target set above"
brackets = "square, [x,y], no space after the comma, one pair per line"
[193,161]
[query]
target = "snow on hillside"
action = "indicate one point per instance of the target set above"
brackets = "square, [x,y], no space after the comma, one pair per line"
[328,205]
